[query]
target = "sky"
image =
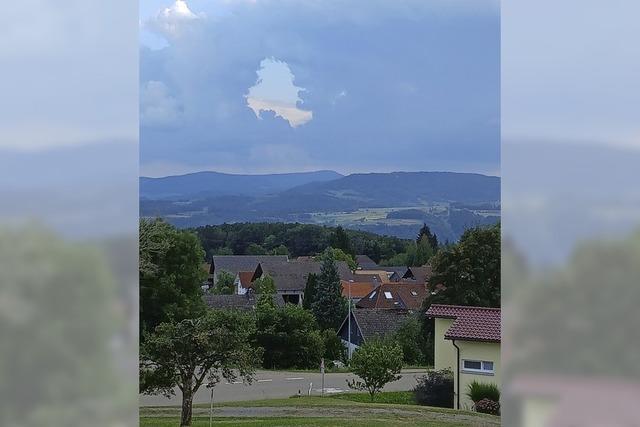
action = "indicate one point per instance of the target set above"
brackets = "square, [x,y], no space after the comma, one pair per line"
[268,86]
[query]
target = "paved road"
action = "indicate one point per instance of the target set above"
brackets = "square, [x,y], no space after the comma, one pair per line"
[278,384]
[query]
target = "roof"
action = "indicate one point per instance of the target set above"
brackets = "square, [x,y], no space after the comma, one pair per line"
[397,296]
[471,323]
[358,289]
[370,276]
[240,302]
[374,323]
[246,278]
[293,275]
[419,274]
[237,263]
[365,262]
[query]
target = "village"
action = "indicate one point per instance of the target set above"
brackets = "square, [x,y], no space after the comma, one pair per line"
[381,300]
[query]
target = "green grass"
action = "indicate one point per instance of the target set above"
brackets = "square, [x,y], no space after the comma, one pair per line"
[298,421]
[353,400]
[388,397]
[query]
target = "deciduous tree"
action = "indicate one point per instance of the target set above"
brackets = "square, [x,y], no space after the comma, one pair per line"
[171,274]
[193,352]
[377,363]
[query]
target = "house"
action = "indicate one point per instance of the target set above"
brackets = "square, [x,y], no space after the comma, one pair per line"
[290,277]
[369,324]
[366,263]
[356,290]
[233,264]
[395,274]
[395,296]
[467,341]
[418,274]
[381,276]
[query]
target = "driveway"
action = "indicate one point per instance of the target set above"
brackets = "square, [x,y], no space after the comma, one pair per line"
[280,384]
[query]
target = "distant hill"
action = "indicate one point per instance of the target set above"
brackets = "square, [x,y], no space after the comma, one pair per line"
[395,204]
[213,184]
[395,189]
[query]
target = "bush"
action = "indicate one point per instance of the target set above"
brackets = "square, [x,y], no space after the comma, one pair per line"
[478,391]
[333,347]
[435,389]
[488,406]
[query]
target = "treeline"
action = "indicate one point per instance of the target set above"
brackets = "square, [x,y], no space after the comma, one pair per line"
[294,239]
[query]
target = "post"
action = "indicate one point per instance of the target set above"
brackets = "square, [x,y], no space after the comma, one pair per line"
[211,409]
[322,372]
[349,327]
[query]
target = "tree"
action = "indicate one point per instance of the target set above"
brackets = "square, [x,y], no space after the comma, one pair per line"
[413,342]
[265,285]
[340,255]
[280,250]
[340,240]
[310,290]
[432,239]
[225,284]
[329,306]
[255,249]
[170,274]
[377,363]
[289,336]
[469,271]
[192,352]
[423,253]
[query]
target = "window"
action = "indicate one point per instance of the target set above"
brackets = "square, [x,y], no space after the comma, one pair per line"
[373,294]
[388,295]
[414,293]
[478,366]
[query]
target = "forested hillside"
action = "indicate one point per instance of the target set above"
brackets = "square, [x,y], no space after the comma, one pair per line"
[295,240]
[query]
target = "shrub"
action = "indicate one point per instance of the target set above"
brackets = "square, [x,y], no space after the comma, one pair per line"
[333,347]
[488,406]
[478,391]
[435,389]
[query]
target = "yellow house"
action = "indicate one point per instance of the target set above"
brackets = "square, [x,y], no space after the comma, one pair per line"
[467,341]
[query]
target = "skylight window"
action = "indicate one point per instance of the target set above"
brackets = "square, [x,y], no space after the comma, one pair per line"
[388,295]
[414,293]
[373,294]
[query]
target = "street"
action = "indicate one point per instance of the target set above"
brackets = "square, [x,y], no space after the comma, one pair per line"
[280,384]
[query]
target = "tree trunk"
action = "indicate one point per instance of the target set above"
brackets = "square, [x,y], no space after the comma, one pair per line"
[187,405]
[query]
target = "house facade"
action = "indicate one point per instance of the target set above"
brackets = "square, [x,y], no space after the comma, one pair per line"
[467,342]
[369,324]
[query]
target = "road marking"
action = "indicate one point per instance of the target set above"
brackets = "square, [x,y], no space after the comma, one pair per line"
[264,381]
[294,379]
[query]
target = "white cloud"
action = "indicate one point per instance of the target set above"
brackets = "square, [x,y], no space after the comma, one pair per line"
[172,21]
[157,107]
[275,91]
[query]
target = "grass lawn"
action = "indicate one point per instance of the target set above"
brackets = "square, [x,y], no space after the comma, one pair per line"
[393,397]
[296,421]
[349,409]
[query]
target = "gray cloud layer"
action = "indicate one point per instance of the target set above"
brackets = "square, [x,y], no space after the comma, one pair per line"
[406,85]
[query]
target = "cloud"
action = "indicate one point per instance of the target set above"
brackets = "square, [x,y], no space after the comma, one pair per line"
[376,83]
[172,21]
[275,91]
[157,107]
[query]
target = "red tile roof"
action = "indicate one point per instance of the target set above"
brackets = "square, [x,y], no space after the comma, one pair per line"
[246,277]
[358,289]
[471,323]
[398,296]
